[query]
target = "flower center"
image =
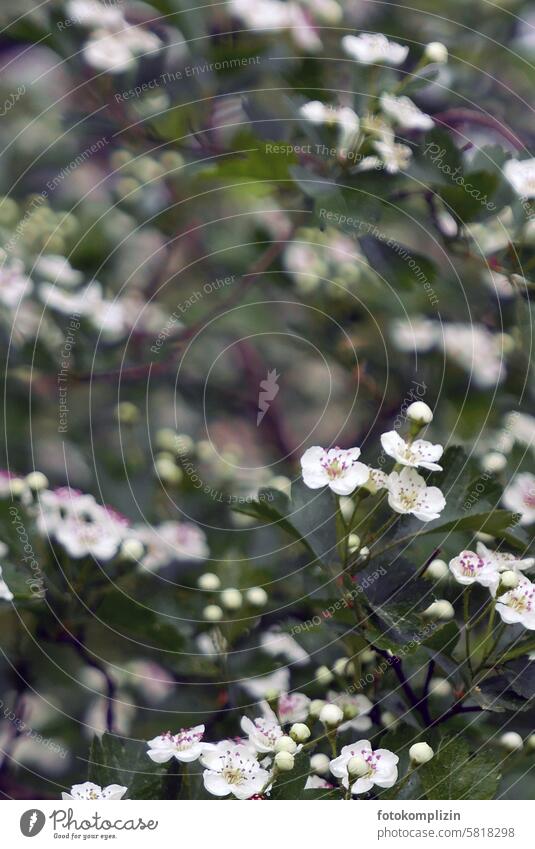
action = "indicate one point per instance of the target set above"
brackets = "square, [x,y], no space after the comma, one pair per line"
[233,775]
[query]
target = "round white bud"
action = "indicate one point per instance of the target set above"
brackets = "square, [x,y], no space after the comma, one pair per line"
[231,599]
[437,570]
[441,609]
[436,52]
[209,582]
[256,596]
[388,719]
[132,549]
[353,543]
[493,462]
[17,487]
[285,744]
[440,687]
[127,413]
[367,656]
[323,675]
[364,551]
[340,666]
[350,711]
[320,764]
[212,613]
[284,761]
[509,579]
[421,753]
[315,707]
[167,470]
[530,742]
[165,438]
[419,413]
[300,732]
[357,766]
[331,715]
[512,741]
[37,481]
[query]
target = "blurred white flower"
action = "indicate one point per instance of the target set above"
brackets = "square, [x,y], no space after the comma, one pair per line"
[342,117]
[116,47]
[522,427]
[416,334]
[408,493]
[336,468]
[58,269]
[381,765]
[372,48]
[419,453]
[14,283]
[521,175]
[231,768]
[91,791]
[477,350]
[186,746]
[519,496]
[404,112]
[395,157]
[276,642]
[359,705]
[504,560]
[5,592]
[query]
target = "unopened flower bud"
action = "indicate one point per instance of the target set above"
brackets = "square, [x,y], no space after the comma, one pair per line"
[320,764]
[209,582]
[127,413]
[509,579]
[167,470]
[285,744]
[315,707]
[419,413]
[331,715]
[256,596]
[357,766]
[437,570]
[388,719]
[511,741]
[284,761]
[300,732]
[37,481]
[440,687]
[441,609]
[367,656]
[436,52]
[323,675]
[132,549]
[17,487]
[231,599]
[340,666]
[212,613]
[350,711]
[530,742]
[353,543]
[421,753]
[493,462]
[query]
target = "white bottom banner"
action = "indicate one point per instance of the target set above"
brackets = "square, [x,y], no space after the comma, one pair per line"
[171,824]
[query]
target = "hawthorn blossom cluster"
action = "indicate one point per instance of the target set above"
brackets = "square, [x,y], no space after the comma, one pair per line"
[407,491]
[503,574]
[85,528]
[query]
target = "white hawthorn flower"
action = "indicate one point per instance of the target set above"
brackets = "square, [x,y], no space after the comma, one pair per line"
[59,270]
[186,746]
[418,453]
[116,48]
[470,568]
[262,733]
[382,767]
[395,157]
[518,605]
[97,534]
[14,284]
[504,560]
[5,592]
[343,117]
[335,468]
[521,175]
[88,790]
[408,493]
[231,768]
[291,707]
[370,48]
[405,113]
[519,496]
[315,782]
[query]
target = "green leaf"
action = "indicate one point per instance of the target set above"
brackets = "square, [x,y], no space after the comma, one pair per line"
[116,761]
[310,517]
[137,621]
[454,773]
